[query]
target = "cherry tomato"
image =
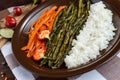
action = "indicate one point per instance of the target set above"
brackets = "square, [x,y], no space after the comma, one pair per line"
[10,22]
[17,11]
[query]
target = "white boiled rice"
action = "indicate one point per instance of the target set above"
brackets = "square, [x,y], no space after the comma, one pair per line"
[95,36]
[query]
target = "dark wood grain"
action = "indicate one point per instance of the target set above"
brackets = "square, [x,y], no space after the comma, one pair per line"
[5,3]
[4,68]
[4,13]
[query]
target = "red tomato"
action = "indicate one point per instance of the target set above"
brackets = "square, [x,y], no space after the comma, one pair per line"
[10,22]
[17,11]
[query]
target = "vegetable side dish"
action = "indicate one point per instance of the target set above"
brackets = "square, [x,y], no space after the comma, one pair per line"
[64,34]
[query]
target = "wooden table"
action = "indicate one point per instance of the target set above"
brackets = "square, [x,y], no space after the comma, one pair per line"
[5,3]
[5,68]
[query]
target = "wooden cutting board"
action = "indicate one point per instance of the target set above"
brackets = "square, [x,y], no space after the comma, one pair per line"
[25,9]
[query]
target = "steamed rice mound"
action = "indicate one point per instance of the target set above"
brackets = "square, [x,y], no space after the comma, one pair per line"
[95,36]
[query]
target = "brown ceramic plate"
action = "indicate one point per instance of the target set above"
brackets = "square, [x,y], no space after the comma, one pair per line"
[20,39]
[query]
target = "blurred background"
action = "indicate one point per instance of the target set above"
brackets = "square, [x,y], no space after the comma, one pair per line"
[9,3]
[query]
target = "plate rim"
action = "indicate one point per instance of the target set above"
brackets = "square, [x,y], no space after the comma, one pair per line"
[71,72]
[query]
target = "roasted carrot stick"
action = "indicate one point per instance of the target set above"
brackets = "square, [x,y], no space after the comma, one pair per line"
[54,16]
[44,22]
[34,32]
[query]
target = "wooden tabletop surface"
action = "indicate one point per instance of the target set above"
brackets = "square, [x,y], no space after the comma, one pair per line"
[5,73]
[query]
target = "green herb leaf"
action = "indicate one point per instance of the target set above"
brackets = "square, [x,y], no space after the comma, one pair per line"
[35,1]
[6,32]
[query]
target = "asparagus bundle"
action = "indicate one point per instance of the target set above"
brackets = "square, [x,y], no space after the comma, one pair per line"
[66,26]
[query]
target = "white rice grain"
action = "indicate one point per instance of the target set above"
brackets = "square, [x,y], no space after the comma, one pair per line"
[95,36]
